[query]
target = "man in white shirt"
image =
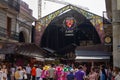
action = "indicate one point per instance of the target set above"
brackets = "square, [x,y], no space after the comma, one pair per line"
[38,73]
[28,71]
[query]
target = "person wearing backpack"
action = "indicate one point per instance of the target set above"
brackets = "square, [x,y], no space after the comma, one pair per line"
[17,75]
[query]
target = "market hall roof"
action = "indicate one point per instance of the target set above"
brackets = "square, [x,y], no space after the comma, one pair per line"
[96,20]
[48,18]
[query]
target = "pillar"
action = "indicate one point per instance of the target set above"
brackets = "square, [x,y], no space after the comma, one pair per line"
[116,32]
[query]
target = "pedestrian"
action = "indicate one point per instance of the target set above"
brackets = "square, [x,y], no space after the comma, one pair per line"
[45,73]
[28,71]
[51,72]
[115,73]
[33,72]
[38,72]
[92,75]
[19,73]
[24,74]
[1,74]
[64,73]
[109,73]
[12,70]
[5,72]
[71,75]
[117,77]
[103,75]
[79,75]
[58,74]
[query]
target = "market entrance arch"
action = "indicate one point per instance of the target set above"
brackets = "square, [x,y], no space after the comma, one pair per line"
[59,34]
[54,30]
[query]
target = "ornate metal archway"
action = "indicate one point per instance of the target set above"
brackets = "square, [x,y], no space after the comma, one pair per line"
[96,20]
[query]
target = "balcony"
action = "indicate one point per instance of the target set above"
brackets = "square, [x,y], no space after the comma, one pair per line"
[14,35]
[11,3]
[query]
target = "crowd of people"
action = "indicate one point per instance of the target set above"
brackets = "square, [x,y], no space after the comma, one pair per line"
[58,72]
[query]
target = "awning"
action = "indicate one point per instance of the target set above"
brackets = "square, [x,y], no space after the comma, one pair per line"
[27,49]
[7,48]
[50,52]
[30,49]
[44,59]
[92,53]
[92,56]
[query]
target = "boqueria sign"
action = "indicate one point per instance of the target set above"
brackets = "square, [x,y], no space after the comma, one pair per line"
[69,25]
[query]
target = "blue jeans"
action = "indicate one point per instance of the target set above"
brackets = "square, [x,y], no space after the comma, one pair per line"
[37,78]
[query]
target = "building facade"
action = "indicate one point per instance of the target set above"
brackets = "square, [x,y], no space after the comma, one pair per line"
[15,28]
[113,10]
[9,11]
[15,21]
[70,31]
[24,25]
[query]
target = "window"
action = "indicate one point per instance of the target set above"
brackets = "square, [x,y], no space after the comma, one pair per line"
[9,26]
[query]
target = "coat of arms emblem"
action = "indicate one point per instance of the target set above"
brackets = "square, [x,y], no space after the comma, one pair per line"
[69,22]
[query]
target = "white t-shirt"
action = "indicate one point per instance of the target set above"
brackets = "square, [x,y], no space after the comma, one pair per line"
[13,71]
[28,70]
[1,75]
[51,72]
[21,72]
[117,77]
[38,72]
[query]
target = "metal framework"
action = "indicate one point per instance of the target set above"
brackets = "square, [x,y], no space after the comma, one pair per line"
[95,19]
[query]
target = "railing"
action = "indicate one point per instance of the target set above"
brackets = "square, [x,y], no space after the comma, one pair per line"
[14,35]
[3,32]
[12,3]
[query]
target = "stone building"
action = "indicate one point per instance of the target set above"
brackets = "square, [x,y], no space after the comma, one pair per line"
[9,10]
[16,33]
[113,13]
[15,21]
[25,20]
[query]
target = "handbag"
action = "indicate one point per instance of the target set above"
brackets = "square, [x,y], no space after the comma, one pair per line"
[25,76]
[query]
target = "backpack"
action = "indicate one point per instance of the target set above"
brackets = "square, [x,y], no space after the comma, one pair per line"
[17,75]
